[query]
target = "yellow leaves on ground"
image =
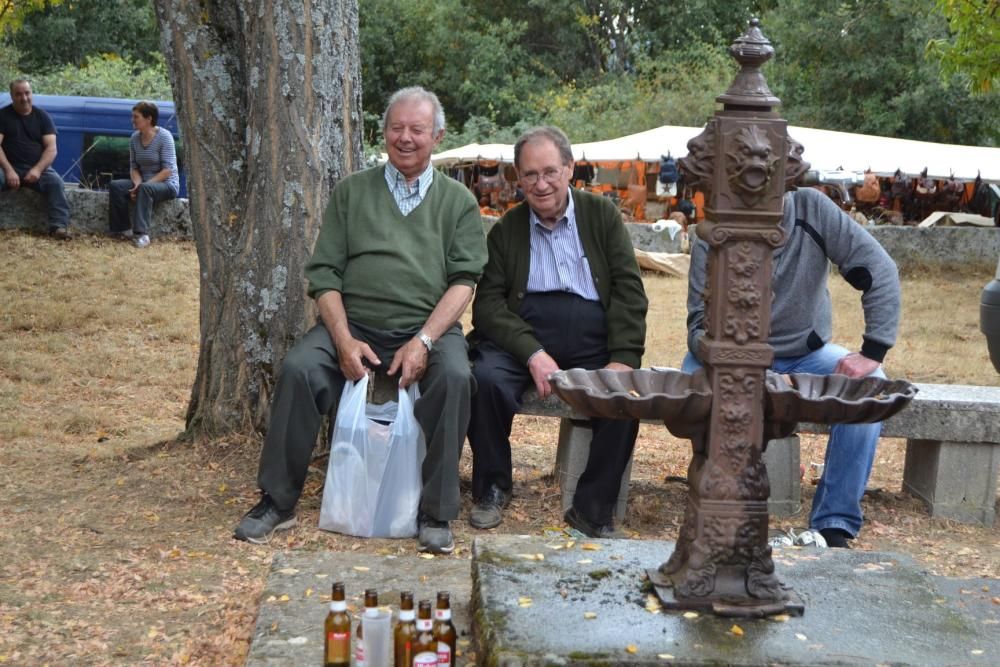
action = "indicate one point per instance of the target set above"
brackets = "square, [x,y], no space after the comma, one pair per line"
[590,615]
[736,630]
[532,556]
[524,601]
[590,546]
[631,648]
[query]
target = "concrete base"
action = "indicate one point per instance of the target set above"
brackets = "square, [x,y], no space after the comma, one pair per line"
[587,603]
[782,461]
[957,480]
[571,460]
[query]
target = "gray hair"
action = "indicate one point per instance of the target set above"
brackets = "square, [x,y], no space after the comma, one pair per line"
[17,81]
[415,93]
[550,132]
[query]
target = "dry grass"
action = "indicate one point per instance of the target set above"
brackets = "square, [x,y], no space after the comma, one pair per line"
[115,541]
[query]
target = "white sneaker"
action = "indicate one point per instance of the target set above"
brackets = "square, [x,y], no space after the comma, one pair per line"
[141,241]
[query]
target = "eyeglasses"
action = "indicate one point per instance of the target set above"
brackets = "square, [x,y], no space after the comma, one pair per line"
[550,176]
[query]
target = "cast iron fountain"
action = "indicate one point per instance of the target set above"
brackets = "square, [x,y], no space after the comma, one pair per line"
[743,161]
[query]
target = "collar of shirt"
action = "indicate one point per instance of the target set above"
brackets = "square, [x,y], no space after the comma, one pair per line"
[569,217]
[408,196]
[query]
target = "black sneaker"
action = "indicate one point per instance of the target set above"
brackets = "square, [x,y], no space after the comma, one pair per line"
[435,536]
[488,510]
[836,538]
[261,522]
[581,523]
[60,233]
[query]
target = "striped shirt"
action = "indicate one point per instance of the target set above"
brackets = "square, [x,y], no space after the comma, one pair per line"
[154,158]
[558,263]
[407,197]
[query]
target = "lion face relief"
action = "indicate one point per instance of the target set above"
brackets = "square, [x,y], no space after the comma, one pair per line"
[751,164]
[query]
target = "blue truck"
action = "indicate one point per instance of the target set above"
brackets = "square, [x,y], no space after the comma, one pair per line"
[93,135]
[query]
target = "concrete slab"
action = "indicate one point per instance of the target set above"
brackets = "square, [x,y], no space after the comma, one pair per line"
[290,631]
[862,608]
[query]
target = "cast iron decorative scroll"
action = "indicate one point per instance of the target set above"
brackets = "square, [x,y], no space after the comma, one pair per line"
[744,161]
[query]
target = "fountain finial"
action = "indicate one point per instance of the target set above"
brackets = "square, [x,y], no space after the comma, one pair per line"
[749,89]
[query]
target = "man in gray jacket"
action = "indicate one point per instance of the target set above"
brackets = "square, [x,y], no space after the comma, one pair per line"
[818,233]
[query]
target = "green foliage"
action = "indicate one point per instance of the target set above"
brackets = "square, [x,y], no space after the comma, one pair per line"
[13,12]
[69,33]
[973,50]
[108,76]
[859,66]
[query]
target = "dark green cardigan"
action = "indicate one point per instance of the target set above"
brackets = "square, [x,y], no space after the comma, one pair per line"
[612,262]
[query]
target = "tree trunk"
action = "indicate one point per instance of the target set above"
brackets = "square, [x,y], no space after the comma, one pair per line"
[268,95]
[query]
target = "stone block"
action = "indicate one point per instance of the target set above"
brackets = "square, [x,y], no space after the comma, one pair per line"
[571,460]
[782,461]
[957,480]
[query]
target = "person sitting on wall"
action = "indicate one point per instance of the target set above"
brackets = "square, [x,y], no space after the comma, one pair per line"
[561,289]
[154,176]
[399,253]
[27,150]
[818,233]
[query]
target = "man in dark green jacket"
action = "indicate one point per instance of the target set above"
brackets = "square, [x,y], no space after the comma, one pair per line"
[394,267]
[561,289]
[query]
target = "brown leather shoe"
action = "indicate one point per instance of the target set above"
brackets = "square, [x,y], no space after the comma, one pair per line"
[60,233]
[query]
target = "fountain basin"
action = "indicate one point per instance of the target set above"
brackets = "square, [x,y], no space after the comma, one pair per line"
[833,399]
[668,395]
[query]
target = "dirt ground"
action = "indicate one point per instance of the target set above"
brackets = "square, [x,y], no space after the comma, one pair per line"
[115,536]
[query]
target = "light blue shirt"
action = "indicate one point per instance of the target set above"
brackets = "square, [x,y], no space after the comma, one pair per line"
[558,262]
[408,197]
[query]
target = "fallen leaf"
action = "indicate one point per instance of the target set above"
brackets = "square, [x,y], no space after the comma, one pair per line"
[288,570]
[690,614]
[781,618]
[976,651]
[524,601]
[152,633]
[284,598]
[585,561]
[631,648]
[801,637]
[664,656]
[309,592]
[427,556]
[361,568]
[590,546]
[590,615]
[736,630]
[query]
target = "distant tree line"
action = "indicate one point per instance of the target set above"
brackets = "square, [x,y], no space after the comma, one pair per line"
[918,69]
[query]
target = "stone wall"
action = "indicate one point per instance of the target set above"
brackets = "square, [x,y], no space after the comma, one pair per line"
[26,209]
[944,246]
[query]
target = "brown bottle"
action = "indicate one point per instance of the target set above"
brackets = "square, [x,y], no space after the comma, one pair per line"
[444,631]
[406,631]
[337,647]
[371,609]
[425,646]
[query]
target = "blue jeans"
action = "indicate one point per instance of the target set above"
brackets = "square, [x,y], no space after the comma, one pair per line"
[850,450]
[51,186]
[148,194]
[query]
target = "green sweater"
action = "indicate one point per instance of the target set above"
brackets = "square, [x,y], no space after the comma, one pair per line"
[612,263]
[392,270]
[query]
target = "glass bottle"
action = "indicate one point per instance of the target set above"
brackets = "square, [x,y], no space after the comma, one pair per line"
[425,647]
[337,643]
[444,631]
[406,631]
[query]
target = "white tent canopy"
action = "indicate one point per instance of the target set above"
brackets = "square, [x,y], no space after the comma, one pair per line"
[824,150]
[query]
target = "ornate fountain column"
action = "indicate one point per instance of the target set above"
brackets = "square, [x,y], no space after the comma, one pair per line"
[741,161]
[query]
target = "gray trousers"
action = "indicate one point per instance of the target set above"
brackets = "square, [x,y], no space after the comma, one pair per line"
[118,200]
[310,383]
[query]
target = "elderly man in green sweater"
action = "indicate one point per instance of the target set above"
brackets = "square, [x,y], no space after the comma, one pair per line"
[396,263]
[561,289]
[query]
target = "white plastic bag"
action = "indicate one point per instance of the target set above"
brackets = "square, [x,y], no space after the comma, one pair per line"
[373,480]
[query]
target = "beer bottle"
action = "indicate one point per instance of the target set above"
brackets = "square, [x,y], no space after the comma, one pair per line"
[337,651]
[444,631]
[425,647]
[406,631]
[371,610]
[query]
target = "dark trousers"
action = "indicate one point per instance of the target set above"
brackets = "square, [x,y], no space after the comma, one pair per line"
[310,383]
[51,186]
[574,332]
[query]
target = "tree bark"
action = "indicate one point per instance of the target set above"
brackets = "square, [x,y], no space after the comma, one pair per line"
[268,94]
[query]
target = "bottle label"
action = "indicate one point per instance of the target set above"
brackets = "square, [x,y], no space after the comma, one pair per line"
[442,614]
[425,659]
[444,655]
[338,605]
[424,624]
[406,615]
[359,653]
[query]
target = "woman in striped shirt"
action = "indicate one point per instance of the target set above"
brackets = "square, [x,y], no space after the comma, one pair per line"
[154,177]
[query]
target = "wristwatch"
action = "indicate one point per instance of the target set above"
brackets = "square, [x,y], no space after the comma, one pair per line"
[426,340]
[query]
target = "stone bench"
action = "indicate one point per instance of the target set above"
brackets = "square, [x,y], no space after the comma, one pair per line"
[952,452]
